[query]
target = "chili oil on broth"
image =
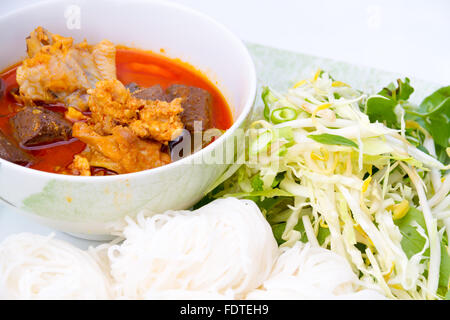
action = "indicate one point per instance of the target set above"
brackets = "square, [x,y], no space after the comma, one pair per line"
[145,68]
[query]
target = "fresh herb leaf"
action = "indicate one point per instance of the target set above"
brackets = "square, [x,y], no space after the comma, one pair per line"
[278,230]
[278,178]
[442,155]
[326,138]
[435,112]
[398,93]
[412,242]
[436,98]
[404,89]
[380,108]
[257,183]
[322,235]
[276,204]
[423,149]
[361,247]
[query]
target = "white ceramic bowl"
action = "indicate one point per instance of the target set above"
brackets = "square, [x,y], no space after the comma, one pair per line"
[89,205]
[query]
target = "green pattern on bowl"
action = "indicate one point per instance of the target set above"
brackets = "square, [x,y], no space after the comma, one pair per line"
[77,202]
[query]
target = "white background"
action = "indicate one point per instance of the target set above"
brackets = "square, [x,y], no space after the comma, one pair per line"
[405,36]
[409,37]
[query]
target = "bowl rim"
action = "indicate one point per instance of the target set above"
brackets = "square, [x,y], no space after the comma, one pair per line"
[252,91]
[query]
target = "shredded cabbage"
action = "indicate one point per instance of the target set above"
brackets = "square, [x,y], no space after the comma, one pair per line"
[334,177]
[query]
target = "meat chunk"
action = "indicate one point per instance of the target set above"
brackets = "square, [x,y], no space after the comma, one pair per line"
[37,39]
[37,125]
[112,105]
[122,151]
[197,104]
[11,152]
[152,93]
[159,120]
[132,87]
[58,71]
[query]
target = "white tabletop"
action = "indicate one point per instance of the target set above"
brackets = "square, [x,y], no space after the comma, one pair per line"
[405,36]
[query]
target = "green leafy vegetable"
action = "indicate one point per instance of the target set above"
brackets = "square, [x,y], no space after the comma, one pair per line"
[257,183]
[381,109]
[326,138]
[322,235]
[402,92]
[435,113]
[279,228]
[278,178]
[274,208]
[412,243]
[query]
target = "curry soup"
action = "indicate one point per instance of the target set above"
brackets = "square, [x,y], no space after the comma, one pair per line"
[146,69]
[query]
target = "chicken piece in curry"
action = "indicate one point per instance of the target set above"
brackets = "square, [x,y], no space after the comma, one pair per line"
[88,110]
[57,70]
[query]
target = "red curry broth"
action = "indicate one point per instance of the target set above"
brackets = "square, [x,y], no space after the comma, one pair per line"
[142,67]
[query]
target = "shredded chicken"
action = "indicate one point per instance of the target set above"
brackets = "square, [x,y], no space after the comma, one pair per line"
[57,71]
[122,151]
